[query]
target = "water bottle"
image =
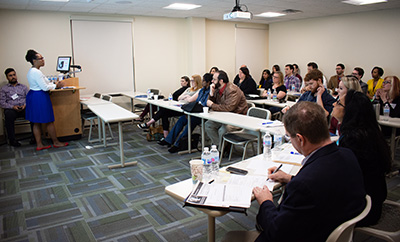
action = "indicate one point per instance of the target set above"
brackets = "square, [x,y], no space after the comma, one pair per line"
[148,93]
[267,143]
[386,111]
[170,97]
[269,95]
[206,158]
[215,161]
[274,98]
[277,141]
[54,79]
[293,88]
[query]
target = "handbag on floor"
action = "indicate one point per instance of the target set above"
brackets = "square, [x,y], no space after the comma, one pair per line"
[183,143]
[155,133]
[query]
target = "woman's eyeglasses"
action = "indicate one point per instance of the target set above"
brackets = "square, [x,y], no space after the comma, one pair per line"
[386,82]
[338,103]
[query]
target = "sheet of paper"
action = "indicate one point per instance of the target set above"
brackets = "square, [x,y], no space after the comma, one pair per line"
[260,166]
[288,154]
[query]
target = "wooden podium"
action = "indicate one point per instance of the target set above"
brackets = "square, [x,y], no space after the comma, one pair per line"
[66,106]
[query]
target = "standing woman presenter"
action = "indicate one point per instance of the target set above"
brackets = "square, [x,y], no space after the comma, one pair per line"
[39,109]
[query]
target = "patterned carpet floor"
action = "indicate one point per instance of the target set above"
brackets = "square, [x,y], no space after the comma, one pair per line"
[69,194]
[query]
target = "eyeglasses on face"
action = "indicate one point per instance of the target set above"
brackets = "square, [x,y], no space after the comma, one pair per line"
[386,82]
[338,103]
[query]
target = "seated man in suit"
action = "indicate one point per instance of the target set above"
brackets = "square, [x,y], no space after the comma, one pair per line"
[327,191]
[224,97]
[12,100]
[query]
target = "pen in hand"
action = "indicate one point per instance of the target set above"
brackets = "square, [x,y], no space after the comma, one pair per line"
[276,170]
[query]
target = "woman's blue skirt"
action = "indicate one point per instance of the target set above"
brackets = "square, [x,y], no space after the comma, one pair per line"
[38,107]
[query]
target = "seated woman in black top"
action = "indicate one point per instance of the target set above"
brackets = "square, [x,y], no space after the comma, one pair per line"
[164,113]
[266,79]
[280,89]
[389,94]
[360,133]
[185,83]
[245,82]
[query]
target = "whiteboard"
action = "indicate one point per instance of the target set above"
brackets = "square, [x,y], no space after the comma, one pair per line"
[104,49]
[252,50]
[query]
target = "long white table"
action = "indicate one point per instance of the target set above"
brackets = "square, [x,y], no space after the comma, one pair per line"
[181,190]
[394,123]
[237,120]
[111,112]
[272,103]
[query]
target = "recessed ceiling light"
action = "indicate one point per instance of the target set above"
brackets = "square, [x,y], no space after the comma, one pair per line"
[363,2]
[270,14]
[54,0]
[182,6]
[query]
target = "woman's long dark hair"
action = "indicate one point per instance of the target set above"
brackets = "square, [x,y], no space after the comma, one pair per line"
[359,122]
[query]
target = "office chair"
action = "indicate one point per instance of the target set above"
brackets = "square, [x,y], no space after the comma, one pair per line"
[388,227]
[244,137]
[344,232]
[18,122]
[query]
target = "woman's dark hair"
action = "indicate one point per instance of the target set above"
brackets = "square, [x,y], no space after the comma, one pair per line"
[207,77]
[269,75]
[187,79]
[30,56]
[359,123]
[245,71]
[380,70]
[215,69]
[277,68]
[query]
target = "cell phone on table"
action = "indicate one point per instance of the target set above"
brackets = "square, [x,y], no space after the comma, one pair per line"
[236,171]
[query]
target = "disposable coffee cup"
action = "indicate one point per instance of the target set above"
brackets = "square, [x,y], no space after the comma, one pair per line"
[205,109]
[155,97]
[196,169]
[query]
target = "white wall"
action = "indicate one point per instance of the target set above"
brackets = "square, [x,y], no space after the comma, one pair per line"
[365,39]
[164,48]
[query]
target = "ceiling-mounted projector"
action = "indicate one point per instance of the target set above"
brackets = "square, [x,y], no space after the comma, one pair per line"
[237,13]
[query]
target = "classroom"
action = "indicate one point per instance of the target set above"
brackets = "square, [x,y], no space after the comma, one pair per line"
[132,53]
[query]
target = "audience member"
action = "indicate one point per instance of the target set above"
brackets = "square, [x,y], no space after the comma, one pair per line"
[39,109]
[291,80]
[297,72]
[389,94]
[334,81]
[327,191]
[12,100]
[213,70]
[266,79]
[348,82]
[245,82]
[277,87]
[185,83]
[360,133]
[165,114]
[224,97]
[312,66]
[275,68]
[376,82]
[172,137]
[317,93]
[358,72]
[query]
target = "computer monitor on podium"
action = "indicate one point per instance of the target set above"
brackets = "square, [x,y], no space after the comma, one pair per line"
[63,64]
